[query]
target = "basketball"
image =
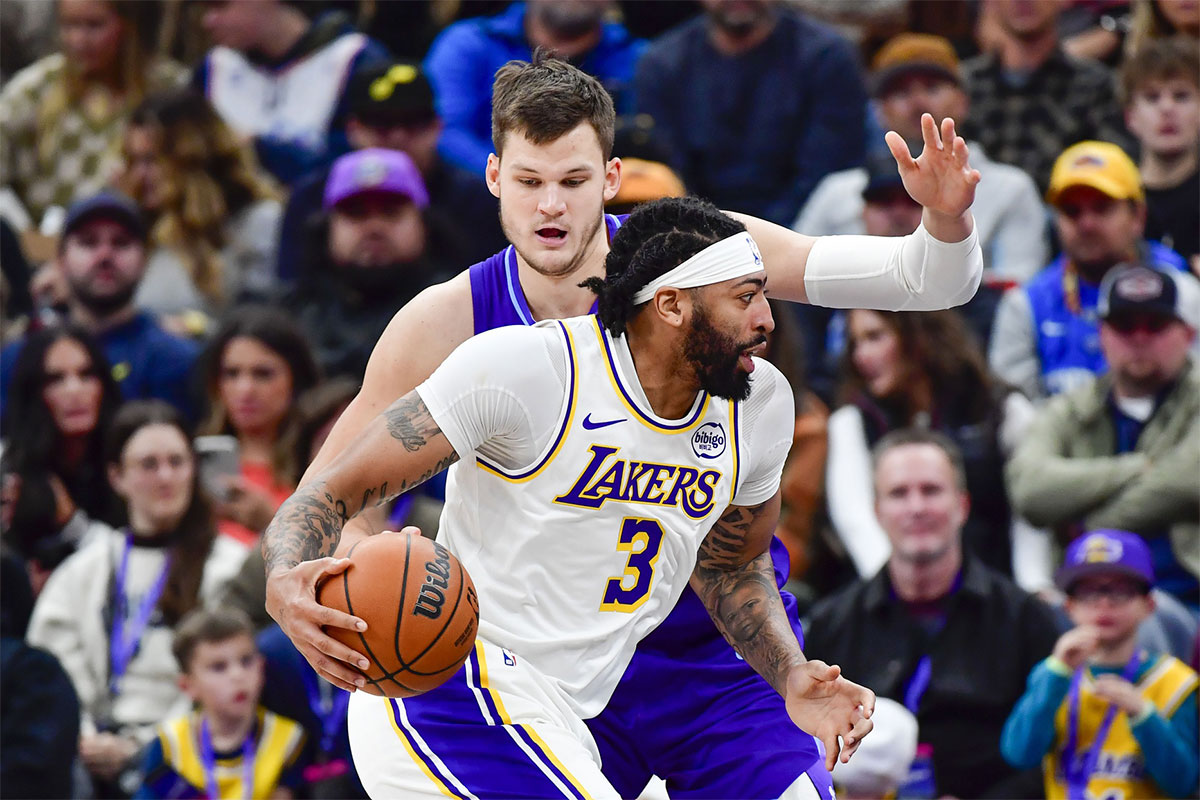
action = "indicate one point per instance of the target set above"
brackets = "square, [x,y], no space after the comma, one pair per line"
[420,607]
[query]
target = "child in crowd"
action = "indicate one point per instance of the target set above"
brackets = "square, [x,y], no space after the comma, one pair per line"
[229,746]
[1105,718]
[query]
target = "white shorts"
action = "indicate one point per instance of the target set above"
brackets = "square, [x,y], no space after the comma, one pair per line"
[498,728]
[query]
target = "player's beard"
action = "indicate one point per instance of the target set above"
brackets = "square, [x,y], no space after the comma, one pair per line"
[714,356]
[557,271]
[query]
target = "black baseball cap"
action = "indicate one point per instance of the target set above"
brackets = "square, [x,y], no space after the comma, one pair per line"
[1140,289]
[105,204]
[398,93]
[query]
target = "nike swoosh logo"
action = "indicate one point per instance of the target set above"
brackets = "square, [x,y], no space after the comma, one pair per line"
[591,426]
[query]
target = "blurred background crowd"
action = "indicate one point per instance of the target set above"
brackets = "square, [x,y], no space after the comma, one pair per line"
[210,210]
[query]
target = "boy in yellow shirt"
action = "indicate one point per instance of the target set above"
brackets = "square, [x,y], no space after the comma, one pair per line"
[229,747]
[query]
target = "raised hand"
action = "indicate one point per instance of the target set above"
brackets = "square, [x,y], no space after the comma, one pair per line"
[823,703]
[941,178]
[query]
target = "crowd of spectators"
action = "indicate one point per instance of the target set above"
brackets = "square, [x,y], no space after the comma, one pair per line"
[211,211]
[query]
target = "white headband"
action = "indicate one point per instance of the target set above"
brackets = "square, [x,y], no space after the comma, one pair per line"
[729,258]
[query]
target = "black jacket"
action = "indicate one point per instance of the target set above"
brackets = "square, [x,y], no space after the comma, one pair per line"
[994,634]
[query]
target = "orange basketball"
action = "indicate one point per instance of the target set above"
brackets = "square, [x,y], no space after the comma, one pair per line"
[420,607]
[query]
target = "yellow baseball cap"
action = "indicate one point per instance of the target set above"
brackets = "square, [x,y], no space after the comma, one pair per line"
[1100,165]
[907,53]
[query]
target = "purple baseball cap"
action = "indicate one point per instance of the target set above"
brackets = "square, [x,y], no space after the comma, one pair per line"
[374,170]
[1105,552]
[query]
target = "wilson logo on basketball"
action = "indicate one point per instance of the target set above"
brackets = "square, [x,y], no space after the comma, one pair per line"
[433,591]
[709,441]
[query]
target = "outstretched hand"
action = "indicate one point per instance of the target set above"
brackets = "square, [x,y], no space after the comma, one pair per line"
[823,703]
[941,178]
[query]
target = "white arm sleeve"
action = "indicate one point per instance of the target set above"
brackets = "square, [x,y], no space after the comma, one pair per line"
[851,493]
[501,393]
[768,420]
[906,273]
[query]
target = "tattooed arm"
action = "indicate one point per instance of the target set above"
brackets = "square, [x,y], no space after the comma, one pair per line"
[735,580]
[400,449]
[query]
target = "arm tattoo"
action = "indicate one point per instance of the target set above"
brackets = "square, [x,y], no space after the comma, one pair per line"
[409,422]
[307,526]
[743,600]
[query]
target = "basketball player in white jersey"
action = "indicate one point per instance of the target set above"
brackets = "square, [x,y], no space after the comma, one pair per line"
[598,455]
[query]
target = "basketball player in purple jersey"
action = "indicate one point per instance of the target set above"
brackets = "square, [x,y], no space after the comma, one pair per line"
[688,709]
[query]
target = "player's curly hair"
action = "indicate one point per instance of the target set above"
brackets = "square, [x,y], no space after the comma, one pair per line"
[657,237]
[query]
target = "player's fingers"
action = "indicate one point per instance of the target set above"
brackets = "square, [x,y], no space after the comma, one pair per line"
[929,133]
[899,150]
[331,657]
[862,726]
[832,749]
[947,132]
[329,566]
[960,151]
[866,701]
[326,617]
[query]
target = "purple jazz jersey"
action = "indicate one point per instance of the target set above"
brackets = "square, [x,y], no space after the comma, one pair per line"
[687,709]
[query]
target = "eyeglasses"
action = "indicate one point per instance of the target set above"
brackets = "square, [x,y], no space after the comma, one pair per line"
[1119,593]
[151,464]
[1155,323]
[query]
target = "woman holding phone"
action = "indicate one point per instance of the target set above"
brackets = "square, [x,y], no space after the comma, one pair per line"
[108,612]
[256,365]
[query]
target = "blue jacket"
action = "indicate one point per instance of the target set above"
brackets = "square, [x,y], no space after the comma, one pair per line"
[1068,343]
[462,64]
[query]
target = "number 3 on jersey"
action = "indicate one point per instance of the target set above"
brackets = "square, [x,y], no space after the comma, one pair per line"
[641,538]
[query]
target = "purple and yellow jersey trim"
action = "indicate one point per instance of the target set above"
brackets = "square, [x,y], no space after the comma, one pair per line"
[568,417]
[449,754]
[687,424]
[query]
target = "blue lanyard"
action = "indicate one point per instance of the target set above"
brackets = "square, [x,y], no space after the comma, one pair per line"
[122,644]
[1078,767]
[329,710]
[208,760]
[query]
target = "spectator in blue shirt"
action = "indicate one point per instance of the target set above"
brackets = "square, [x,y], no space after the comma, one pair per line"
[757,103]
[280,77]
[102,258]
[463,61]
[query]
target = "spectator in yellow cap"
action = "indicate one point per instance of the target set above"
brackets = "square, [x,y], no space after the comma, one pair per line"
[1046,340]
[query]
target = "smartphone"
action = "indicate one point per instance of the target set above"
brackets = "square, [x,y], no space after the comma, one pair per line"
[220,460]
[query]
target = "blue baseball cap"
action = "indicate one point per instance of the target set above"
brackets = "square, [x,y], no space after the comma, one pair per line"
[1103,553]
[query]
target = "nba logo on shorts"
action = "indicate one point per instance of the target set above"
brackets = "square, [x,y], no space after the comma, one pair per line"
[509,659]
[709,440]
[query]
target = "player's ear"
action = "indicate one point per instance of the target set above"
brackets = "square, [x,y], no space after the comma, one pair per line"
[491,174]
[671,305]
[612,178]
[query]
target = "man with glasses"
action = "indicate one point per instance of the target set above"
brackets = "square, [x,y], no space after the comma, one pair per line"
[1123,451]
[1044,340]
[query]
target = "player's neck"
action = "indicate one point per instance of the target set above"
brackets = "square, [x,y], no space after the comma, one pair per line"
[1167,170]
[670,386]
[229,733]
[561,296]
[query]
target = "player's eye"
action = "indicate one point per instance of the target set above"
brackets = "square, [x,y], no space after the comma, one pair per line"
[573,182]
[528,181]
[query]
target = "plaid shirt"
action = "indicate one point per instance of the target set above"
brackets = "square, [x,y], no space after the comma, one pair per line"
[1065,100]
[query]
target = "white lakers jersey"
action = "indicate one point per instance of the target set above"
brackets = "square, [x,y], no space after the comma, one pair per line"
[581,544]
